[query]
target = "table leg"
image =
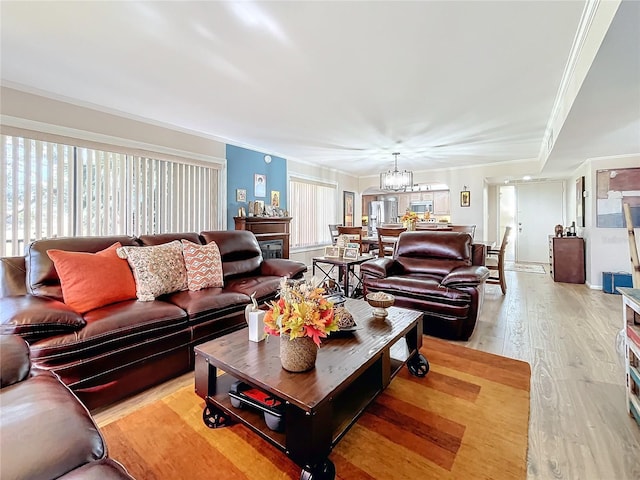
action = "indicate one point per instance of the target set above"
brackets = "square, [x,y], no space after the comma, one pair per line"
[346,279]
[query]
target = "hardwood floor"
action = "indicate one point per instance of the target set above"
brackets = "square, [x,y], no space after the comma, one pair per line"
[579,427]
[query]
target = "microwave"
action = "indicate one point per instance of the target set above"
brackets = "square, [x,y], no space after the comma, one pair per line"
[422,207]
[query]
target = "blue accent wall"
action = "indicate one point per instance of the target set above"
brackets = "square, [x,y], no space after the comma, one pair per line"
[242,165]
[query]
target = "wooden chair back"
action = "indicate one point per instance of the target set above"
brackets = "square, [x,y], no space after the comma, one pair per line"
[354,234]
[387,237]
[495,262]
[470,229]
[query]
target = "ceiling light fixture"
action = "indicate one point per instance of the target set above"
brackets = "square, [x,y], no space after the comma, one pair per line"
[396,180]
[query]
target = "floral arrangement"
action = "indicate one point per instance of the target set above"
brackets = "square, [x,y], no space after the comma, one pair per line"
[301,311]
[409,216]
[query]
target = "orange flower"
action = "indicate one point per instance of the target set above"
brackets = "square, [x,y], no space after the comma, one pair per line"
[301,311]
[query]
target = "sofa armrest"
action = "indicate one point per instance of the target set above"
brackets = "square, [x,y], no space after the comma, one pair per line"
[282,267]
[378,267]
[465,276]
[15,363]
[37,317]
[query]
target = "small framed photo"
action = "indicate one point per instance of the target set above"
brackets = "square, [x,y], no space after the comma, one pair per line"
[465,198]
[353,245]
[351,252]
[275,198]
[241,195]
[258,207]
[332,252]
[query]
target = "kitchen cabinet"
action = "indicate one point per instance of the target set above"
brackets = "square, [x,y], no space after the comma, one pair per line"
[404,202]
[441,202]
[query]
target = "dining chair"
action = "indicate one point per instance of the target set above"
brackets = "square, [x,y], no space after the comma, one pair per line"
[387,237]
[354,234]
[470,229]
[333,230]
[495,262]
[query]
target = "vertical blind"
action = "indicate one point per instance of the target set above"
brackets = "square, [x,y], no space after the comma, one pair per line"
[311,230]
[49,189]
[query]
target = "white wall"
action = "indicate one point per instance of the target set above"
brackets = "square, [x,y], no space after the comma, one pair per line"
[33,112]
[607,249]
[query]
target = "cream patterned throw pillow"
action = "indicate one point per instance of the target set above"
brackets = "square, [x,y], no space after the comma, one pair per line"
[157,269]
[204,266]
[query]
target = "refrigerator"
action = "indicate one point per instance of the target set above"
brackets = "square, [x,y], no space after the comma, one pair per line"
[381,212]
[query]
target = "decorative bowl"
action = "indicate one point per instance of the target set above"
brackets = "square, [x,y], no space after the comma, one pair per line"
[380,301]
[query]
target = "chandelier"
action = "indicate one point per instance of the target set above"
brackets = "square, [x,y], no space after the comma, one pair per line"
[396,180]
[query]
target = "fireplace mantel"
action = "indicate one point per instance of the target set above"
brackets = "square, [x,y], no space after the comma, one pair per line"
[267,228]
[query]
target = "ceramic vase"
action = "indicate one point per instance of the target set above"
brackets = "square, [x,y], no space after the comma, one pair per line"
[297,355]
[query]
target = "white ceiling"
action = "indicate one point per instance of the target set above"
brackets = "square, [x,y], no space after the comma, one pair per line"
[342,84]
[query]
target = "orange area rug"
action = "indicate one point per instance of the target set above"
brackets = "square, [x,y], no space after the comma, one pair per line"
[468,418]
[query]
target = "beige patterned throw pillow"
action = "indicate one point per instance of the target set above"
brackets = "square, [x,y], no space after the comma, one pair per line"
[204,266]
[156,269]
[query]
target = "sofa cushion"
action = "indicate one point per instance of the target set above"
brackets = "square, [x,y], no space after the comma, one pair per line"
[157,270]
[104,469]
[92,280]
[239,249]
[55,430]
[111,329]
[264,287]
[42,278]
[204,266]
[161,238]
[209,303]
[36,317]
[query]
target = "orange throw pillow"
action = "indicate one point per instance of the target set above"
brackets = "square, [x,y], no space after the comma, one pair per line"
[92,280]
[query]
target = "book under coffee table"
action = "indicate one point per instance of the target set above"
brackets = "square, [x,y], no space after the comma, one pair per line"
[320,405]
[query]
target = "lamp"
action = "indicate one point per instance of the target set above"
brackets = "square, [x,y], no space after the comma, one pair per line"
[396,180]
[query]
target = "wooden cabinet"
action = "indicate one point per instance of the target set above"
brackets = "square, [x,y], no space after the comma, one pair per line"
[404,202]
[441,205]
[267,230]
[566,259]
[366,201]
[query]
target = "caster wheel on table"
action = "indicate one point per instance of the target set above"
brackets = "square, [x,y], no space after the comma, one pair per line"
[214,418]
[418,365]
[326,471]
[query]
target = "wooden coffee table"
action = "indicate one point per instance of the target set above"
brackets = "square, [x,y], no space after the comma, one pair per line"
[322,404]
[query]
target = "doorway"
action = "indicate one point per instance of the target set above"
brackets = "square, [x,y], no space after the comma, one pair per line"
[532,210]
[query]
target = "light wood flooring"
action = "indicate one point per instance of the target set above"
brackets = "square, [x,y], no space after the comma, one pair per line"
[579,427]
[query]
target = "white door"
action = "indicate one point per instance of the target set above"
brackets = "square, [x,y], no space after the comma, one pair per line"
[540,207]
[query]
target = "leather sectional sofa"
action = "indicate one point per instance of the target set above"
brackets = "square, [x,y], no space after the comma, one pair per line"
[438,273]
[119,349]
[45,432]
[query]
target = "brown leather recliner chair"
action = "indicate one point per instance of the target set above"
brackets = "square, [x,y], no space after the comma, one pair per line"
[438,273]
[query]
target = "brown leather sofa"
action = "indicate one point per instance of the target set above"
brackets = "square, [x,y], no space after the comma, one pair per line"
[120,349]
[438,273]
[45,431]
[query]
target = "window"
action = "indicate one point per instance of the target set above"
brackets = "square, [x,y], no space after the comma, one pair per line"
[49,189]
[313,208]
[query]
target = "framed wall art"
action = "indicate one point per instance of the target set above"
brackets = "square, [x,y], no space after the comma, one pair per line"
[241,195]
[465,198]
[615,187]
[259,185]
[348,199]
[275,198]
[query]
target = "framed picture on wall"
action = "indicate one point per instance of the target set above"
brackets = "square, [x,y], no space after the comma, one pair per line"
[465,198]
[348,199]
[259,185]
[241,195]
[275,198]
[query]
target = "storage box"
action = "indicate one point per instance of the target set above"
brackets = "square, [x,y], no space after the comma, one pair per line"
[611,280]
